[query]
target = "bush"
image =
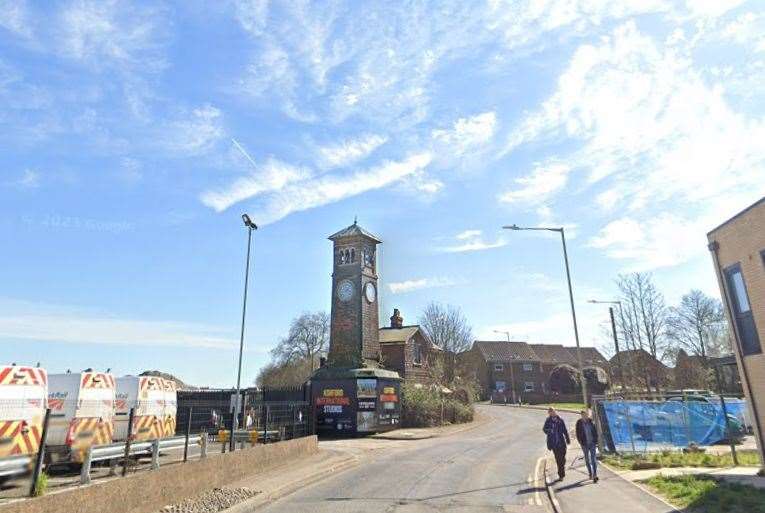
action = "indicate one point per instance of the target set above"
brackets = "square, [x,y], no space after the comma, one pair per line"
[41,486]
[427,406]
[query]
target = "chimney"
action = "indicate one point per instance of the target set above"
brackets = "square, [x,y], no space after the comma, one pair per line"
[396,321]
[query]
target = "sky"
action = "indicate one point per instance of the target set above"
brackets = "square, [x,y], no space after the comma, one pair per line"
[134,135]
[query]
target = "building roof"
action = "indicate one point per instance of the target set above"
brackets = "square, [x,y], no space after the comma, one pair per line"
[555,353]
[353,230]
[497,351]
[591,356]
[397,335]
[632,356]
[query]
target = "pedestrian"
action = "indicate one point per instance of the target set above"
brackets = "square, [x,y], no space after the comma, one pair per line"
[557,439]
[587,436]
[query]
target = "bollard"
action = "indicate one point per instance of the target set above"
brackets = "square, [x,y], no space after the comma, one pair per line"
[188,432]
[85,469]
[203,445]
[127,442]
[155,454]
[40,454]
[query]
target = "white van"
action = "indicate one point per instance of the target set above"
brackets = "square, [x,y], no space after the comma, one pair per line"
[146,396]
[82,412]
[23,392]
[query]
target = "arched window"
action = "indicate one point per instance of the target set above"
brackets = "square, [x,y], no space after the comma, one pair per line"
[353,255]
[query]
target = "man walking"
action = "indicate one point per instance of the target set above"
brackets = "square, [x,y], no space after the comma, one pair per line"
[587,436]
[557,439]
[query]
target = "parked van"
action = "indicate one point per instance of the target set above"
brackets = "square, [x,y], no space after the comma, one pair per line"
[82,411]
[171,407]
[23,392]
[146,396]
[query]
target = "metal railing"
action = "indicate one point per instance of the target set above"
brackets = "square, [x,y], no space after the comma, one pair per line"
[116,451]
[15,465]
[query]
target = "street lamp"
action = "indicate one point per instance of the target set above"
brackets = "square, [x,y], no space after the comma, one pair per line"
[512,375]
[561,230]
[613,330]
[234,423]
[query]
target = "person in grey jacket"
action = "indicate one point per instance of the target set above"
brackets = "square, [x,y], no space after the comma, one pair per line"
[587,435]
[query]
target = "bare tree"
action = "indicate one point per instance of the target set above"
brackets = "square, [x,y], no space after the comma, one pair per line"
[285,374]
[697,325]
[307,339]
[642,320]
[446,327]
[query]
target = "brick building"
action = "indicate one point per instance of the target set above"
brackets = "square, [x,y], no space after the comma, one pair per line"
[738,253]
[408,350]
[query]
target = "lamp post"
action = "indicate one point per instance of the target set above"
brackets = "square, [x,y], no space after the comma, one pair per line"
[613,330]
[234,423]
[512,374]
[570,296]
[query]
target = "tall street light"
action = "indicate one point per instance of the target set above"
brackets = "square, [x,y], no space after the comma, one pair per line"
[234,424]
[570,296]
[613,330]
[512,375]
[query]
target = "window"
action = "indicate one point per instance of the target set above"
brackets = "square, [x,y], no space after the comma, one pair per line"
[528,386]
[742,312]
[417,355]
[528,367]
[498,367]
[499,386]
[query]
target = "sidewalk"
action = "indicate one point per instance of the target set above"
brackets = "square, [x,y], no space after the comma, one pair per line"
[431,432]
[578,493]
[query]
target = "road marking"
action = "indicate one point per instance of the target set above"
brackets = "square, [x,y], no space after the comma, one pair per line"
[537,496]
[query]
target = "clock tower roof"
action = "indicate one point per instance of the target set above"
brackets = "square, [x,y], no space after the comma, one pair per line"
[354,230]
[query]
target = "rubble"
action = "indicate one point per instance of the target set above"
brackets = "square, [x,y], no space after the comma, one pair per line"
[213,501]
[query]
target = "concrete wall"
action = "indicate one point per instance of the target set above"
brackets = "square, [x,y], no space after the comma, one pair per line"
[149,491]
[742,241]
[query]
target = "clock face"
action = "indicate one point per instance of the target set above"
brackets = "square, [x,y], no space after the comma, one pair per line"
[370,292]
[345,290]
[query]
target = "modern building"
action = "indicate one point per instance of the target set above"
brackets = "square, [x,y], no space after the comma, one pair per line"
[407,350]
[738,253]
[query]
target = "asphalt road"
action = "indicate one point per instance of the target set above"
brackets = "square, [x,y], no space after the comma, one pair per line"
[488,468]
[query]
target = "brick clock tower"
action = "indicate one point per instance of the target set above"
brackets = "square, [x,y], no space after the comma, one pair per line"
[353,393]
[353,341]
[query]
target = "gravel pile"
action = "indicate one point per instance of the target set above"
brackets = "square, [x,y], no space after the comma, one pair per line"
[213,501]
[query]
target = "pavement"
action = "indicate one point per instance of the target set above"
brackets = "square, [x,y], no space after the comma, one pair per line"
[492,465]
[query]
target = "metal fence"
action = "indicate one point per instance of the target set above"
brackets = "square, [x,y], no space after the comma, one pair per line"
[658,423]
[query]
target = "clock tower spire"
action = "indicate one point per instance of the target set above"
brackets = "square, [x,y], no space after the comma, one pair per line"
[354,341]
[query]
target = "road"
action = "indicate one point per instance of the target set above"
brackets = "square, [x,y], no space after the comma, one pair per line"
[487,468]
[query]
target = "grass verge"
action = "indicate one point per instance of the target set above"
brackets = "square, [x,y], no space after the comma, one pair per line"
[702,494]
[679,459]
[564,406]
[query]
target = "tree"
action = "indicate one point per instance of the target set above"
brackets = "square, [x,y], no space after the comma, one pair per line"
[697,325]
[642,320]
[285,374]
[446,327]
[307,339]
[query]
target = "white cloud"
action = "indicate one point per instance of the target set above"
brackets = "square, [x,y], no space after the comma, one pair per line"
[271,176]
[14,17]
[402,287]
[196,133]
[631,107]
[544,181]
[113,32]
[349,151]
[472,240]
[31,321]
[30,179]
[281,189]
[467,133]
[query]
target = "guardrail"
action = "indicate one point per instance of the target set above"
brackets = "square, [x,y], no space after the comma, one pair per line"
[15,465]
[116,451]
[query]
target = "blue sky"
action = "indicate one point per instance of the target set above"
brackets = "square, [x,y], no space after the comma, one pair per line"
[133,136]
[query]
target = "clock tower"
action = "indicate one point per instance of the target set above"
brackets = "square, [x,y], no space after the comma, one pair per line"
[354,341]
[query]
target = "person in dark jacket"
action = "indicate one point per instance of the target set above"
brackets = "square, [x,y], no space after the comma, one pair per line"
[557,439]
[587,435]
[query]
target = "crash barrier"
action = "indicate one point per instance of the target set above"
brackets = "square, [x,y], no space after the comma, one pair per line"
[15,465]
[113,452]
[654,425]
[145,492]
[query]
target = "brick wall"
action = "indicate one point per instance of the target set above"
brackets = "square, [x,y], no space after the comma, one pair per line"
[741,241]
